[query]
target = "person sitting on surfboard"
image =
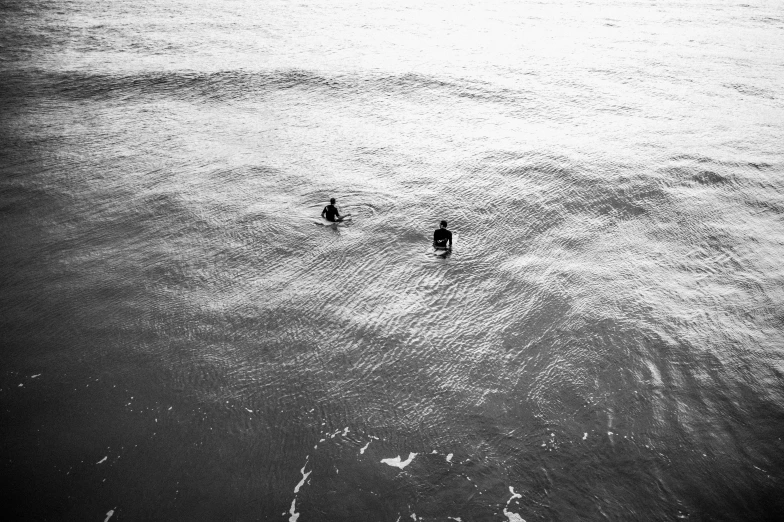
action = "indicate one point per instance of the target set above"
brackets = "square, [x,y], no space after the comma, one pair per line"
[331,213]
[442,236]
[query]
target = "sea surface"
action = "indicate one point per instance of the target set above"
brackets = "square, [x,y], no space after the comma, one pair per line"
[184,339]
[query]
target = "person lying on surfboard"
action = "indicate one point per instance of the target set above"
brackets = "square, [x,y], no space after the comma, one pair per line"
[441,237]
[331,213]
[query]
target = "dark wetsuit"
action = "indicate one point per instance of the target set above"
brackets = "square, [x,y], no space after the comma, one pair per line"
[331,213]
[440,238]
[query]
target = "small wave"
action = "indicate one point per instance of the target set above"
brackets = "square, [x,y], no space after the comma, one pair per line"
[707,177]
[750,90]
[230,85]
[771,20]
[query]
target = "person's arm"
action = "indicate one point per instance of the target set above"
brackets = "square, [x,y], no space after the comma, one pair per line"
[450,241]
[324,211]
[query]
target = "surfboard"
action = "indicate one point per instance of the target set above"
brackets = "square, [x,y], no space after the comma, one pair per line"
[327,223]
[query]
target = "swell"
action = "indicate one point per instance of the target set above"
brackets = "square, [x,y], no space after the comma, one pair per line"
[223,86]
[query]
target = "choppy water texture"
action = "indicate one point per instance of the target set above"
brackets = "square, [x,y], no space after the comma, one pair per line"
[183,340]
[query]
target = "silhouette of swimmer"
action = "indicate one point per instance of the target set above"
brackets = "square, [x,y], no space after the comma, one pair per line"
[442,237]
[331,213]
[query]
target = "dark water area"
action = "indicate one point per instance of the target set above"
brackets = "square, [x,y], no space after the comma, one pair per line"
[183,338]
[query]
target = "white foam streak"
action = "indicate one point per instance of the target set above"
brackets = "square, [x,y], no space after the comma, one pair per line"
[304,477]
[293,511]
[397,463]
[512,516]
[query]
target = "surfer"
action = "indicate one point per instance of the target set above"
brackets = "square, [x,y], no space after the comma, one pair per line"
[441,237]
[331,213]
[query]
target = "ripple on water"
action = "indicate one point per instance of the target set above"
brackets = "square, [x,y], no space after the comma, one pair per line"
[606,328]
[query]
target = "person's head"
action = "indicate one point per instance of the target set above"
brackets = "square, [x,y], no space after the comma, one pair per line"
[443,224]
[331,201]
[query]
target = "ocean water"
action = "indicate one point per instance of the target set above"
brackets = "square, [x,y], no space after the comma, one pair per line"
[183,339]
